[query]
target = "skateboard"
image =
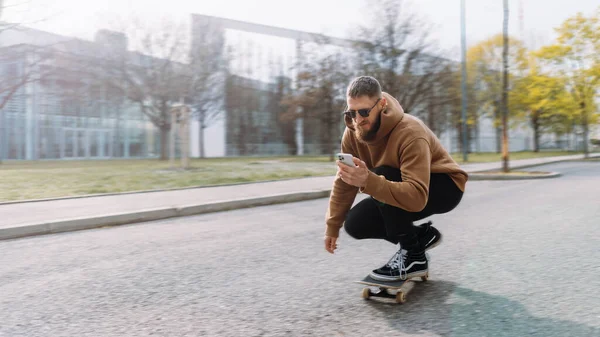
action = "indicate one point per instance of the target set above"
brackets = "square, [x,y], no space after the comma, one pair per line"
[389,289]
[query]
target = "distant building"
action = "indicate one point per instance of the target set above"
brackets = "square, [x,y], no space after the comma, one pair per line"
[265,54]
[263,62]
[64,114]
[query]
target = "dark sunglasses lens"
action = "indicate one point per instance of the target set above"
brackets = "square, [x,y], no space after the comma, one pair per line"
[352,114]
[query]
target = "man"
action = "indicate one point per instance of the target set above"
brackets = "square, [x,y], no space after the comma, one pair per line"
[402,165]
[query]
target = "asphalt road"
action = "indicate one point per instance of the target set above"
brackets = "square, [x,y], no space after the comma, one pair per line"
[520,258]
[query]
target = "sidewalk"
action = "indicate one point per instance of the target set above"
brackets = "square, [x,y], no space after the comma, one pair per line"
[53,216]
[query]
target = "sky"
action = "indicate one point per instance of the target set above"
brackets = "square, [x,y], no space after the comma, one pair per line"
[82,18]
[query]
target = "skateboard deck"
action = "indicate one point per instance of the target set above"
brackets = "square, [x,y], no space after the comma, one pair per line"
[389,289]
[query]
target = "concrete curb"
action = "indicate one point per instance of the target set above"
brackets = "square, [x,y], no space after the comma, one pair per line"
[488,176]
[25,230]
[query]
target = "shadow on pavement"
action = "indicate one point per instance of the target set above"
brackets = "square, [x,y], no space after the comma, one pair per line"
[444,309]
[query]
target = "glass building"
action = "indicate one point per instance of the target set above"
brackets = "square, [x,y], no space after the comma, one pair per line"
[58,110]
[262,69]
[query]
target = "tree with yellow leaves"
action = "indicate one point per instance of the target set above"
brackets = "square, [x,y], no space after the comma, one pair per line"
[575,59]
[484,69]
[543,102]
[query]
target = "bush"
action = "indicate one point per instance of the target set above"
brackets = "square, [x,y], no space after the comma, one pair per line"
[595,141]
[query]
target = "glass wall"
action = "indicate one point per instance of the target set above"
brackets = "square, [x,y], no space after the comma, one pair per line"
[68,117]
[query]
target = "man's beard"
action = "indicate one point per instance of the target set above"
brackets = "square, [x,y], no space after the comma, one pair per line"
[367,136]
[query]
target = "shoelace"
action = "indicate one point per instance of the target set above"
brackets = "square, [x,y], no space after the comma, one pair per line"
[397,261]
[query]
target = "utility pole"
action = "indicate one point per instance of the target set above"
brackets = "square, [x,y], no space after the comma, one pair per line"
[465,146]
[2,132]
[505,91]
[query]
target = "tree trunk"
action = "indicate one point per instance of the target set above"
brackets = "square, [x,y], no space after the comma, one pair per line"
[498,135]
[172,140]
[331,130]
[477,136]
[164,143]
[117,148]
[327,139]
[461,139]
[185,139]
[584,123]
[505,92]
[244,132]
[535,123]
[201,138]
[431,119]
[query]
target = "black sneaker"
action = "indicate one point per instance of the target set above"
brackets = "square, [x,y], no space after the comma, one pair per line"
[403,265]
[429,236]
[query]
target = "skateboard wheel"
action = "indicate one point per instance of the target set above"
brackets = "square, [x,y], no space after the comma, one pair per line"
[400,297]
[366,293]
[424,278]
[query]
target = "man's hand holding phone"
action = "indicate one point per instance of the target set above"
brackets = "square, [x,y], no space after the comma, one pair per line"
[352,171]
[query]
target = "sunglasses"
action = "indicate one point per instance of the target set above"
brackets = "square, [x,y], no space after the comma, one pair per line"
[362,112]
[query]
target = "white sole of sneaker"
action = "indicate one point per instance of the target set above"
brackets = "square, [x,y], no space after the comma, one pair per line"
[398,278]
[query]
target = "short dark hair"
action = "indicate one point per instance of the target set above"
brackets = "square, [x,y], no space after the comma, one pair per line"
[364,86]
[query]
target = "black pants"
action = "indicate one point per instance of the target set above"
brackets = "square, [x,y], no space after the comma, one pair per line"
[371,219]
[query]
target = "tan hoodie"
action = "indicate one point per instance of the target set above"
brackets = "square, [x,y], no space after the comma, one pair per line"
[402,141]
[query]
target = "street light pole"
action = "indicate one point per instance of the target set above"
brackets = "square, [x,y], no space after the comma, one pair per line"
[464,80]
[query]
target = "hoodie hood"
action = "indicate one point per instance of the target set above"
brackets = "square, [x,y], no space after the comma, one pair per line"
[390,117]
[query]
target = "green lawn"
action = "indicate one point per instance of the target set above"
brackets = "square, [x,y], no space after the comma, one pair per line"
[34,180]
[48,179]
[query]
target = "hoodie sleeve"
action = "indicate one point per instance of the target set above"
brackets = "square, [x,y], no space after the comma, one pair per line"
[411,194]
[342,196]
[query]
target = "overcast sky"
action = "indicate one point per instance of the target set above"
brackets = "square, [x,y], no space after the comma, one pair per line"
[81,18]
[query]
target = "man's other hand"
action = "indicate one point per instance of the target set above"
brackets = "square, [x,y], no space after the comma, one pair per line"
[330,244]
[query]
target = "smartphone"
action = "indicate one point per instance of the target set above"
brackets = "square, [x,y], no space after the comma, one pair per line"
[346,158]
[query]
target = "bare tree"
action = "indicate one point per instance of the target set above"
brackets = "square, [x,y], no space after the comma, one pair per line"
[20,66]
[20,63]
[207,69]
[154,77]
[285,122]
[6,6]
[242,103]
[5,25]
[321,82]
[442,100]
[396,48]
